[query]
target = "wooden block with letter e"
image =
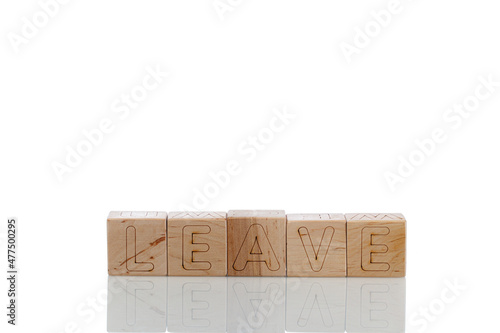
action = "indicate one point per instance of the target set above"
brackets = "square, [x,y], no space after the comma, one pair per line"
[376,245]
[316,245]
[137,243]
[197,243]
[256,243]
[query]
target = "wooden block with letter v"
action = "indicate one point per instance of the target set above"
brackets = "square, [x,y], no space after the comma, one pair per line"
[316,245]
[376,245]
[256,243]
[197,243]
[137,243]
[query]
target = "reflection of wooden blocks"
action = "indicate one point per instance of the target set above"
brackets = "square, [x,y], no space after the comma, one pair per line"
[256,305]
[137,243]
[316,305]
[376,245]
[197,243]
[256,243]
[137,304]
[316,245]
[197,304]
[376,305]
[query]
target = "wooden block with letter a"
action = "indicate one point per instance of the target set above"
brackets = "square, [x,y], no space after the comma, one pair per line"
[256,243]
[376,245]
[316,245]
[197,244]
[137,243]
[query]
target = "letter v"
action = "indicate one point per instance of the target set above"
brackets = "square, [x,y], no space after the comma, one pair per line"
[316,257]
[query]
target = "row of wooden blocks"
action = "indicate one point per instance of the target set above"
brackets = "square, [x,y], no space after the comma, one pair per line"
[256,243]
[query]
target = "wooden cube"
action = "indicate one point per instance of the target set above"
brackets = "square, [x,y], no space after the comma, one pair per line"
[137,243]
[376,245]
[256,242]
[197,243]
[316,245]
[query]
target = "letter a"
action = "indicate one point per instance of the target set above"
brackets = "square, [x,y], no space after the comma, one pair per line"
[256,247]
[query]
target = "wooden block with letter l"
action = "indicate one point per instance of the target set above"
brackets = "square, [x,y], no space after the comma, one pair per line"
[376,245]
[197,244]
[316,245]
[137,243]
[256,243]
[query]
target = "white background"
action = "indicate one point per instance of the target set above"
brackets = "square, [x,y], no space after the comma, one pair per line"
[226,76]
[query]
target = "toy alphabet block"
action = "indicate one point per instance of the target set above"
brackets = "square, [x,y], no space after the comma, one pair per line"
[197,244]
[256,243]
[316,245]
[137,243]
[376,245]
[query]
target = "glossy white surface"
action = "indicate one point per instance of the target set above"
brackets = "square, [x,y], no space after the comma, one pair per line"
[246,304]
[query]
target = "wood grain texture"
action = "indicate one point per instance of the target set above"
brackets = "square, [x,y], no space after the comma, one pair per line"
[256,243]
[316,245]
[197,244]
[137,243]
[376,245]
